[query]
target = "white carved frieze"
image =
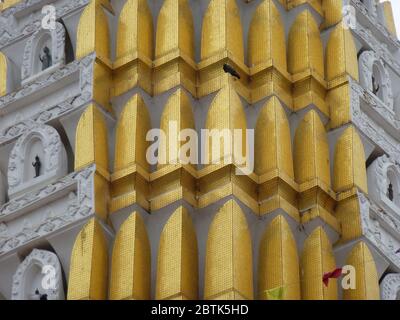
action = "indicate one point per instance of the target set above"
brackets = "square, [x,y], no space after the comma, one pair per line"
[79,205]
[385,171]
[54,163]
[369,62]
[49,113]
[32,271]
[390,287]
[369,127]
[31,68]
[12,31]
[382,230]
[369,12]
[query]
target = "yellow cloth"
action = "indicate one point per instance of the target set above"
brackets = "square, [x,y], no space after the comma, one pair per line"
[275,293]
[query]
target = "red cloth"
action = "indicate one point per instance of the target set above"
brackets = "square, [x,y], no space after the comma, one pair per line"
[331,275]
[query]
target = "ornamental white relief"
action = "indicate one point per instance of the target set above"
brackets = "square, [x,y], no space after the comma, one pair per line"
[381,229]
[390,287]
[375,77]
[384,184]
[54,40]
[39,274]
[78,185]
[369,127]
[3,190]
[17,30]
[370,5]
[374,21]
[45,142]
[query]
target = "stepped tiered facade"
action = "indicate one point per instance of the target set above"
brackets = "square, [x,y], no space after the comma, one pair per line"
[319,85]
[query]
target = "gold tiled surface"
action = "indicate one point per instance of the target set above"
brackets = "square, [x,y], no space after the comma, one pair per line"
[8,3]
[89,264]
[339,105]
[293,183]
[135,32]
[131,131]
[316,260]
[347,213]
[341,54]
[176,117]
[311,150]
[177,269]
[305,50]
[130,271]
[278,262]
[3,74]
[221,27]
[333,11]
[273,141]
[388,13]
[367,280]
[228,266]
[175,29]
[91,141]
[349,163]
[93,32]
[267,37]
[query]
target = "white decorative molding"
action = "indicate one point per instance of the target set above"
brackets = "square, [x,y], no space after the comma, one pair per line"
[370,128]
[80,189]
[24,285]
[375,104]
[54,161]
[31,65]
[83,66]
[381,229]
[383,171]
[370,6]
[367,62]
[374,22]
[12,31]
[381,49]
[21,126]
[3,190]
[390,287]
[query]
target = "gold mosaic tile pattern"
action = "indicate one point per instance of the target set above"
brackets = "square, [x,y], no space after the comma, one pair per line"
[225,113]
[305,50]
[367,280]
[89,265]
[311,150]
[267,40]
[177,269]
[316,260]
[135,32]
[130,271]
[390,21]
[3,74]
[349,163]
[132,128]
[91,142]
[339,105]
[341,54]
[348,214]
[272,140]
[221,27]
[228,266]
[278,262]
[93,32]
[175,29]
[178,111]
